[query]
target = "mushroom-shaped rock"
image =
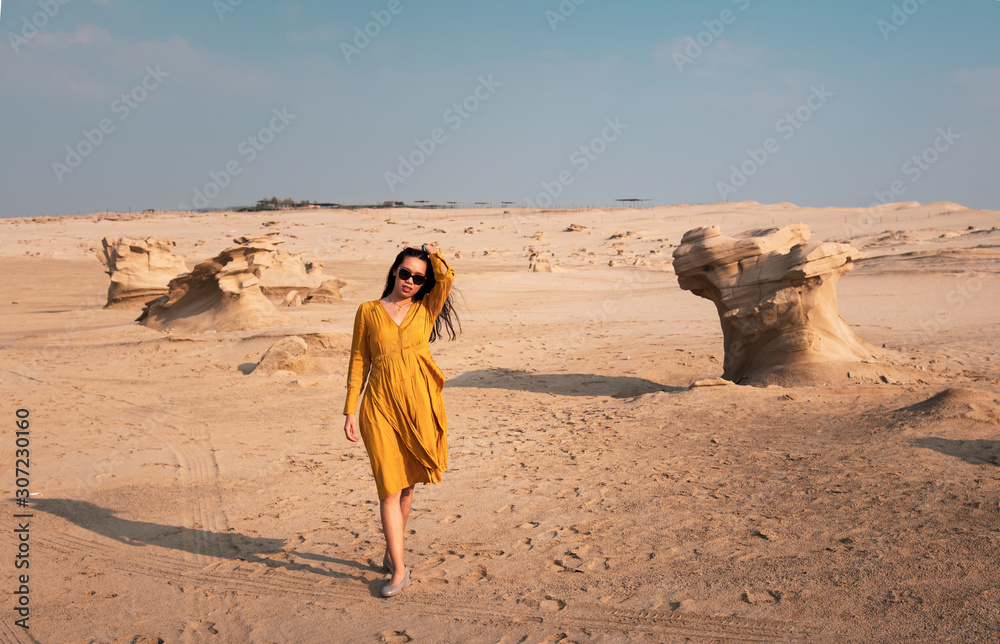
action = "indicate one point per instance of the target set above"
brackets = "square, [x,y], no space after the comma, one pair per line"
[220,294]
[140,268]
[775,292]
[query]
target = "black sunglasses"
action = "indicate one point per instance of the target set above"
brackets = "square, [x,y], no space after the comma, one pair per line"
[418,280]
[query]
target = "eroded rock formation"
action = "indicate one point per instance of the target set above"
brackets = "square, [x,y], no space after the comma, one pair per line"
[287,354]
[288,271]
[775,292]
[538,264]
[140,268]
[220,294]
[328,292]
[313,354]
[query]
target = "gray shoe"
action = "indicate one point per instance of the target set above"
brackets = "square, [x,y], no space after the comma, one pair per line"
[392,591]
[386,564]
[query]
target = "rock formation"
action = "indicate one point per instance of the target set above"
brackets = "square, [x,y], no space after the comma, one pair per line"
[220,294]
[140,268]
[538,264]
[287,271]
[313,354]
[328,292]
[287,354]
[775,292]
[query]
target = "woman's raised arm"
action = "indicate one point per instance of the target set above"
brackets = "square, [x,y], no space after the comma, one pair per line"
[443,278]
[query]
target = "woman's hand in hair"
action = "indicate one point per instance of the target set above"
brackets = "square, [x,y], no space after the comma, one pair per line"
[427,248]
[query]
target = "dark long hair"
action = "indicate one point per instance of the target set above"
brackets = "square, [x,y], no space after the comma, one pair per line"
[447,320]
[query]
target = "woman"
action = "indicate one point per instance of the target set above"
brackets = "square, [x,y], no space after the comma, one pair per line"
[401,418]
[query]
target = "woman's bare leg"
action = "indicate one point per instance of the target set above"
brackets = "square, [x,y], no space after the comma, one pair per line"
[395,510]
[405,503]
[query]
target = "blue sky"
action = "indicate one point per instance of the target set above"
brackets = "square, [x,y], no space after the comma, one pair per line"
[817,103]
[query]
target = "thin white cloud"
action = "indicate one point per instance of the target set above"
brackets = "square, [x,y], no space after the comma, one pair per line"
[291,10]
[90,64]
[982,84]
[190,64]
[60,82]
[552,59]
[50,65]
[685,56]
[84,34]
[319,34]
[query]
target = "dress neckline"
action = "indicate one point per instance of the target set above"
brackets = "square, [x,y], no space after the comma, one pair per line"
[400,324]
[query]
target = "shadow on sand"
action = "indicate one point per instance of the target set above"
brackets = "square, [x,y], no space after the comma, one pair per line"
[561,384]
[977,452]
[226,545]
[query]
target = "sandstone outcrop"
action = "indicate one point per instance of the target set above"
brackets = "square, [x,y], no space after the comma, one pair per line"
[220,294]
[775,292]
[287,354]
[140,268]
[538,264]
[287,271]
[327,293]
[312,354]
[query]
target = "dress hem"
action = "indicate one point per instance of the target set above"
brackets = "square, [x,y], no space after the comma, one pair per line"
[413,484]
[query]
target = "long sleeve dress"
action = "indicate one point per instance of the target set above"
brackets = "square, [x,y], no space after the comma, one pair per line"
[401,417]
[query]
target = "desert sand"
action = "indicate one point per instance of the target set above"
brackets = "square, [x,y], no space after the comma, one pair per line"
[182,493]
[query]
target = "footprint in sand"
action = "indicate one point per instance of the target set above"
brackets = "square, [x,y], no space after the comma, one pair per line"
[476,574]
[450,519]
[199,628]
[394,637]
[560,533]
[547,604]
[458,564]
[142,638]
[434,577]
[575,562]
[432,571]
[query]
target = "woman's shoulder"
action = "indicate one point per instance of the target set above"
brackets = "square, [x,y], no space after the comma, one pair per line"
[368,306]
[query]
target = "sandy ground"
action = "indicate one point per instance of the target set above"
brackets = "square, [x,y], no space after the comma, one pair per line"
[594,496]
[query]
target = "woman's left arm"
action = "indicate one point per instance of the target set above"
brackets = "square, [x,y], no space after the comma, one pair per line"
[443,278]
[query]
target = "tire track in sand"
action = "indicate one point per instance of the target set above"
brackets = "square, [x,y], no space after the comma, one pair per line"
[11,634]
[190,442]
[191,445]
[261,580]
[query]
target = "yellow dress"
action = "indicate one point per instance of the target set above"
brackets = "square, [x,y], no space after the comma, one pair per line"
[401,417]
